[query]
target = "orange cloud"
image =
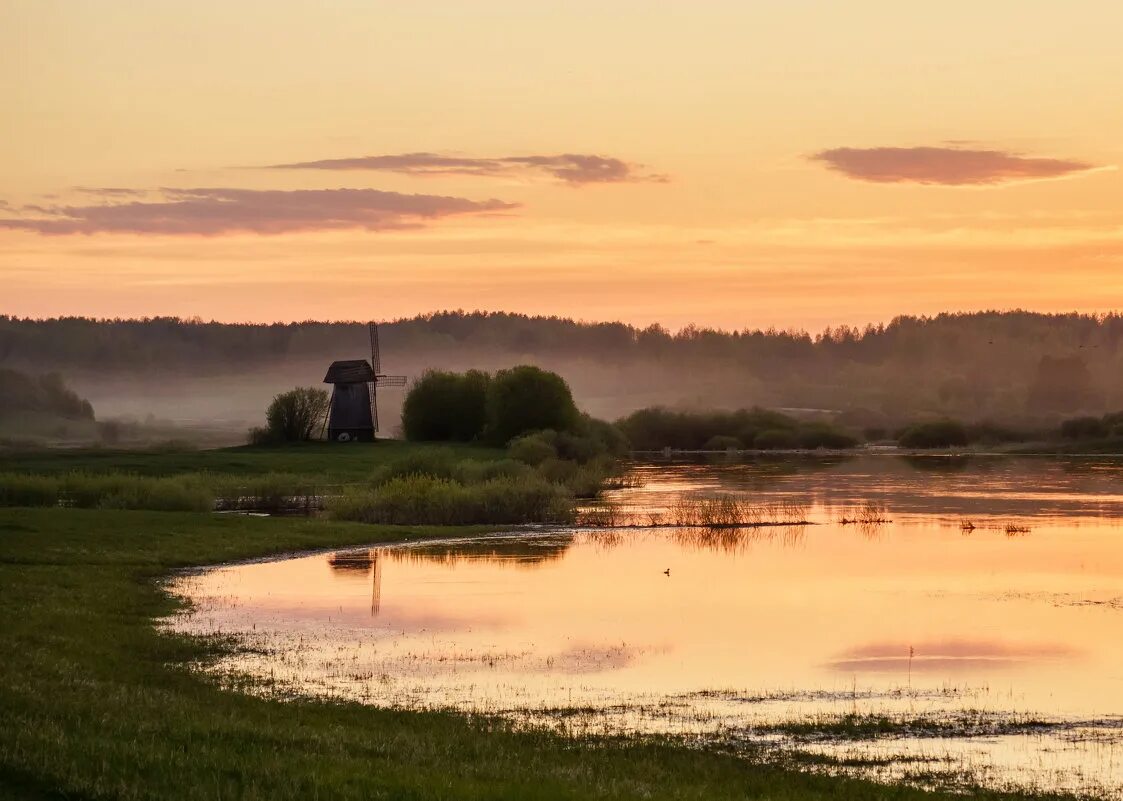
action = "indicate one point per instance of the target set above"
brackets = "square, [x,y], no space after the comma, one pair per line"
[949,166]
[210,212]
[570,168]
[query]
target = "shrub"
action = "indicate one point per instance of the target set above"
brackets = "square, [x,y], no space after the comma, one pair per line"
[774,439]
[934,434]
[1083,428]
[533,449]
[296,415]
[824,435]
[722,442]
[45,394]
[657,428]
[445,406]
[434,462]
[527,398]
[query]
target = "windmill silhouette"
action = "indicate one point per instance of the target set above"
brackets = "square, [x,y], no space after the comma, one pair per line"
[353,412]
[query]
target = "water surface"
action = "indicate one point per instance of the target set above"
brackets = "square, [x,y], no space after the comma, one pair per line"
[979,626]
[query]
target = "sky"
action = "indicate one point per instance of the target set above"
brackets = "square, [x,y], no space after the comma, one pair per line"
[793,164]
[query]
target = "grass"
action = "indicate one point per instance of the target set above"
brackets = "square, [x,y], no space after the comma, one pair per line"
[95,704]
[325,462]
[428,500]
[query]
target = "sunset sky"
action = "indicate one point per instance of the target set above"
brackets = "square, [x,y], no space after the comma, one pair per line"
[733,164]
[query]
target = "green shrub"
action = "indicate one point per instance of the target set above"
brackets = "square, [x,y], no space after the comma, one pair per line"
[934,434]
[1083,428]
[296,415]
[775,439]
[533,449]
[444,406]
[527,398]
[657,428]
[824,435]
[722,442]
[433,462]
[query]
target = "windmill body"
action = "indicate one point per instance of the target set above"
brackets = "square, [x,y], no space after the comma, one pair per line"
[353,413]
[350,418]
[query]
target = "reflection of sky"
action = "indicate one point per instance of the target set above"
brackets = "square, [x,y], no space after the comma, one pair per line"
[1023,624]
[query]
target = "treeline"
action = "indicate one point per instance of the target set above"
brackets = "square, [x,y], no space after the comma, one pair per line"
[1031,367]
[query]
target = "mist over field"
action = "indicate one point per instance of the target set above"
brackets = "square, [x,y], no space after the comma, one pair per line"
[1017,367]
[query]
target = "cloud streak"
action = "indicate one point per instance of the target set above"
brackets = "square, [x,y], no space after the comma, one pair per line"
[946,166]
[575,169]
[217,211]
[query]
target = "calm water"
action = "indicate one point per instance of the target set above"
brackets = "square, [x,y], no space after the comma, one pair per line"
[993,653]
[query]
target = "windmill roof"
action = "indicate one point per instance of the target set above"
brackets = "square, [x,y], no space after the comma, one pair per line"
[349,371]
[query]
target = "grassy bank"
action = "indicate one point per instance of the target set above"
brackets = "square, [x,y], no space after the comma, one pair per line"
[327,462]
[97,705]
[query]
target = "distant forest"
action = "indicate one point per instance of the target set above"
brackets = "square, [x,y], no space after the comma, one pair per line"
[1002,365]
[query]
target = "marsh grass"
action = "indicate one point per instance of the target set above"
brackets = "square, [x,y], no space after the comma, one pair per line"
[107,491]
[731,511]
[428,500]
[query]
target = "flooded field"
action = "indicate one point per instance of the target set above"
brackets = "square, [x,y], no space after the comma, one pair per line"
[936,620]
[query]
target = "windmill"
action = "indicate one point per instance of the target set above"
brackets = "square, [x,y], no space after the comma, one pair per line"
[353,412]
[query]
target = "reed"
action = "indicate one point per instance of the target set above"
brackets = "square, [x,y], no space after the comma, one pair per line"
[427,500]
[106,491]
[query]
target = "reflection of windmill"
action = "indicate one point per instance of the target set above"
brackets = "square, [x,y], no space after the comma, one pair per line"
[353,413]
[376,584]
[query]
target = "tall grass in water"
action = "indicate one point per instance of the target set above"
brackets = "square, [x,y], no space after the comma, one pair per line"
[272,492]
[428,500]
[729,511]
[107,491]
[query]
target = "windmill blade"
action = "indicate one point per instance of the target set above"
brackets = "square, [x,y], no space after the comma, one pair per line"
[390,380]
[375,356]
[374,406]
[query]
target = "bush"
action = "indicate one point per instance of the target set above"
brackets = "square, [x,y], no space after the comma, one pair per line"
[527,398]
[1084,428]
[722,442]
[657,428]
[533,449]
[443,406]
[934,434]
[425,500]
[775,439]
[45,394]
[295,416]
[824,435]
[435,462]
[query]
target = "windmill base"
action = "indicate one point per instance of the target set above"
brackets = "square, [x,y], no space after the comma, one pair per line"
[350,435]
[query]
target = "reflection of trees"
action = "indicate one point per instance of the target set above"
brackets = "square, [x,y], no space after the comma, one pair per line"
[518,551]
[941,464]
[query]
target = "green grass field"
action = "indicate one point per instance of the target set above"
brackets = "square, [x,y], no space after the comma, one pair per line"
[325,461]
[96,704]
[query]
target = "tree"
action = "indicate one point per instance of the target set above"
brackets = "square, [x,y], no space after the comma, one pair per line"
[295,415]
[527,398]
[446,406]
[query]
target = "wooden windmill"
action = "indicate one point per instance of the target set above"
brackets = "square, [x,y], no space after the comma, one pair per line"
[353,413]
